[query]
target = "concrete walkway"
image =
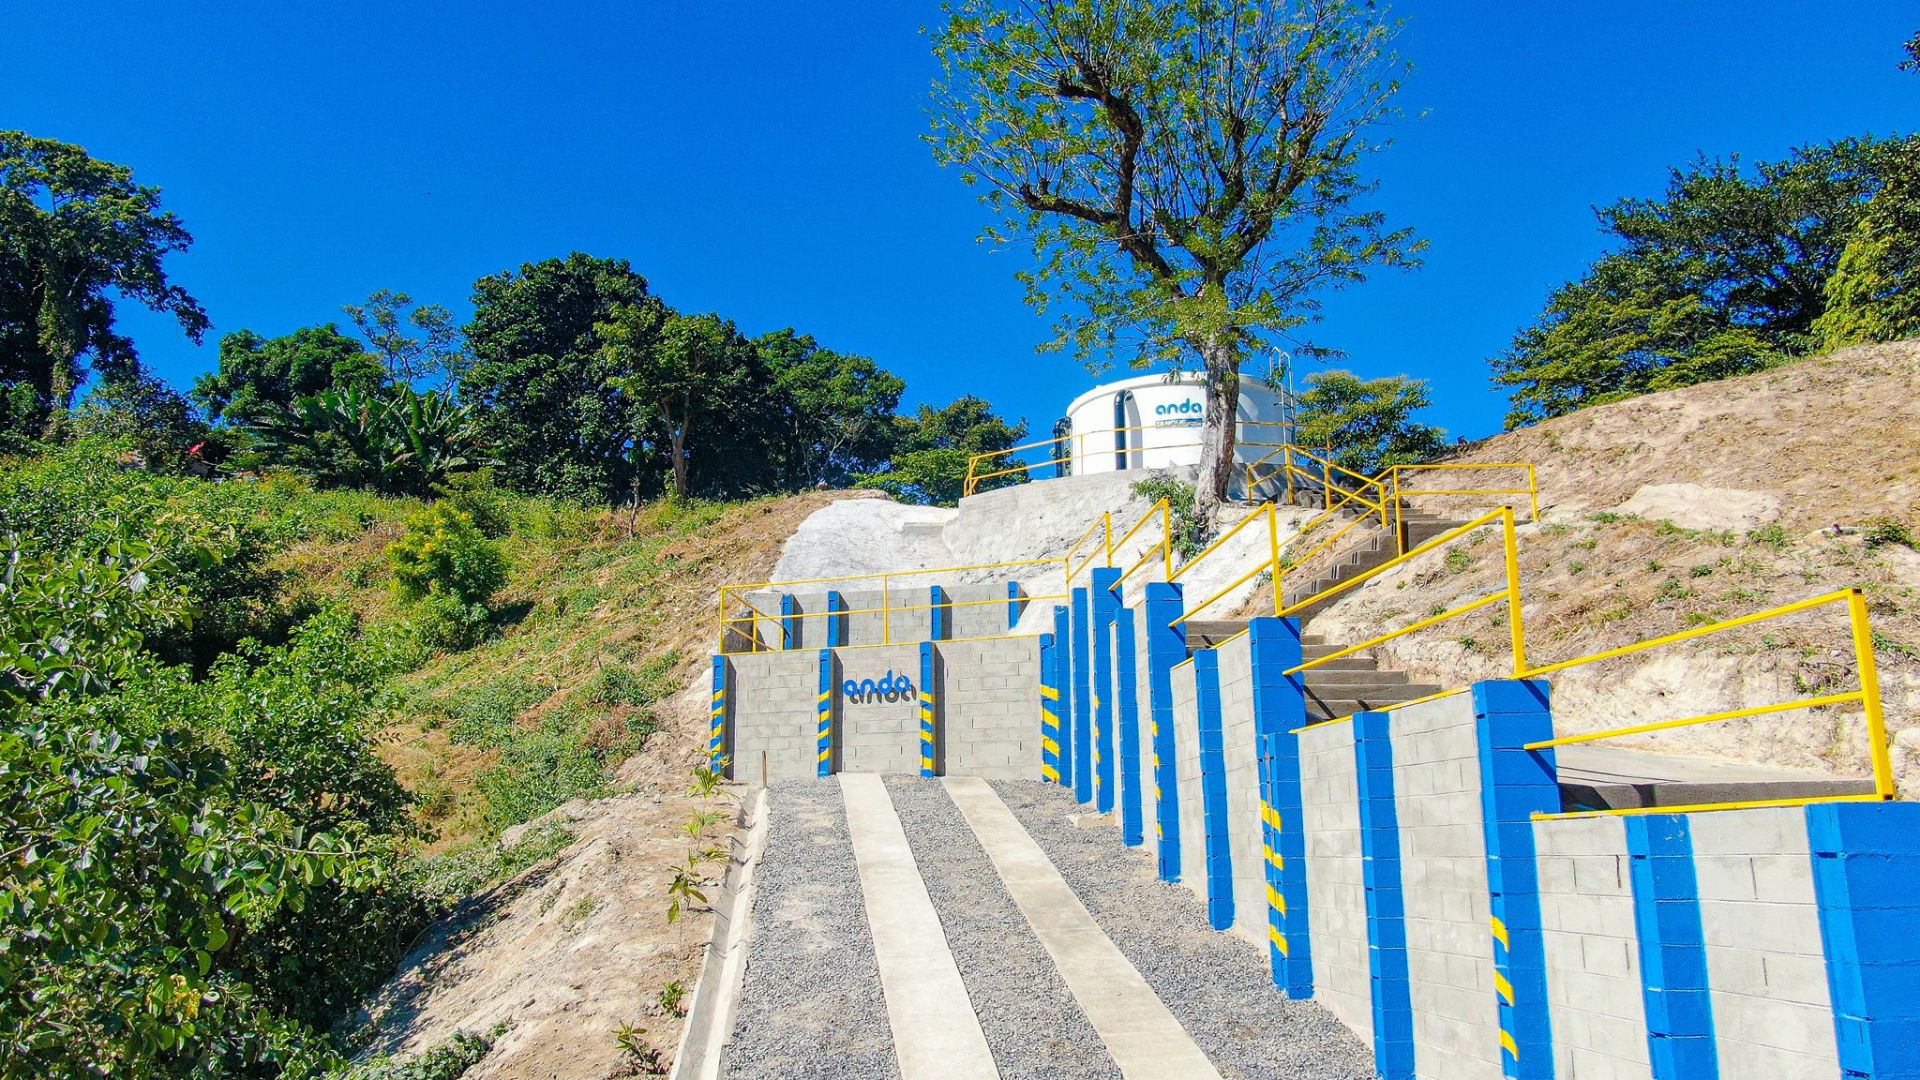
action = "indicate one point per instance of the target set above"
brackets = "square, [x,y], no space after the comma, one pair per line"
[935,1032]
[1145,1039]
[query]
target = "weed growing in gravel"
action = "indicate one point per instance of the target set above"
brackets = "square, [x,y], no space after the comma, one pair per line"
[1773,535]
[1459,560]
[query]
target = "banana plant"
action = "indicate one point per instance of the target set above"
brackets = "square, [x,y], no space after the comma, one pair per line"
[395,440]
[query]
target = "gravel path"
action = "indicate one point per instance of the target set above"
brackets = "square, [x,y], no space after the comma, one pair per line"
[1217,984]
[811,1004]
[1032,1024]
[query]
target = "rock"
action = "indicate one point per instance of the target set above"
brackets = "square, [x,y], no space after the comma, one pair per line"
[1692,506]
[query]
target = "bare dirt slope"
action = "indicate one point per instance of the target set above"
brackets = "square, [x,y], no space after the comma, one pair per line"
[1684,508]
[566,954]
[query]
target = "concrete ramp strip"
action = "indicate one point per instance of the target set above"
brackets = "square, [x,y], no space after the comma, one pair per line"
[1142,1035]
[935,1032]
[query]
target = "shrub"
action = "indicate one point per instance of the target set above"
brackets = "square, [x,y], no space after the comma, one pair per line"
[1189,528]
[1884,531]
[475,494]
[443,552]
[443,623]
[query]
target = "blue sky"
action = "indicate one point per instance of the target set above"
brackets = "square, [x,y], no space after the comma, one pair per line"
[763,160]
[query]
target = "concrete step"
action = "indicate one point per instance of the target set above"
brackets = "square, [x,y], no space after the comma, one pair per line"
[1370,692]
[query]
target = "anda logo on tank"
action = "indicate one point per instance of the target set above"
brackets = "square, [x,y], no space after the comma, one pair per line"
[867,691]
[1179,414]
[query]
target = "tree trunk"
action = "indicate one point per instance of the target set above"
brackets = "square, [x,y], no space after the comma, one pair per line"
[679,443]
[1218,433]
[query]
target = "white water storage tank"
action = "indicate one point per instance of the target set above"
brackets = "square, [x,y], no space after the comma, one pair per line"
[1150,422]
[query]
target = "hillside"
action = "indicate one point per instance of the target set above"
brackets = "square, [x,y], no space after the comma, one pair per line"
[1687,507]
[610,621]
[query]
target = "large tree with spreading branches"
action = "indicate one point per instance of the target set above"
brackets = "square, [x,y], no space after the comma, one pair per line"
[1186,171]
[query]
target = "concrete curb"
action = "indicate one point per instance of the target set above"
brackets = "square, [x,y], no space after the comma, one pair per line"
[717,992]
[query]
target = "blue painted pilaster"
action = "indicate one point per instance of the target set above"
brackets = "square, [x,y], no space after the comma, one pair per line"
[824,705]
[940,612]
[1673,948]
[1063,682]
[1082,665]
[1166,647]
[929,713]
[789,624]
[836,621]
[1515,784]
[1049,712]
[1016,604]
[1279,708]
[1126,679]
[1386,904]
[1866,859]
[1213,790]
[717,725]
[1105,606]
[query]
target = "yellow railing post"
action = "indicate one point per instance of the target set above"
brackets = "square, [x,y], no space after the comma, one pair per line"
[1273,555]
[886,612]
[1533,489]
[1869,669]
[1399,515]
[1516,620]
[1107,519]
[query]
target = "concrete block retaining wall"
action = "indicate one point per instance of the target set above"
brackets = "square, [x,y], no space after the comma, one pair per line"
[985,703]
[1469,939]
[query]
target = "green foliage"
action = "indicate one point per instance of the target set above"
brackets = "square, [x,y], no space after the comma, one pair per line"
[1186,173]
[75,622]
[146,416]
[76,235]
[396,440]
[676,374]
[829,414]
[131,871]
[1772,534]
[540,377]
[1874,292]
[449,1060]
[1726,274]
[443,552]
[445,623]
[474,494]
[1368,422]
[437,353]
[1189,528]
[1884,531]
[928,462]
[260,378]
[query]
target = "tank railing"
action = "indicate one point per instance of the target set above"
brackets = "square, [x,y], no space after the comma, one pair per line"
[980,466]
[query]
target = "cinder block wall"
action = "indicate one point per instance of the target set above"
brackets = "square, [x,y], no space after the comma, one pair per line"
[1443,860]
[1186,773]
[1336,882]
[1772,1012]
[990,707]
[1593,952]
[1242,757]
[976,611]
[773,698]
[877,735]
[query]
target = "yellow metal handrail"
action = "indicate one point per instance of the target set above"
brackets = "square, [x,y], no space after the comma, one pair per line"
[1398,495]
[1868,696]
[1510,593]
[976,475]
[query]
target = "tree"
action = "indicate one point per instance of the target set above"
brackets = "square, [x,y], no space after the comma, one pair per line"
[928,463]
[76,233]
[438,351]
[834,411]
[260,378]
[540,380]
[1368,422]
[1186,171]
[678,373]
[1725,274]
[1874,293]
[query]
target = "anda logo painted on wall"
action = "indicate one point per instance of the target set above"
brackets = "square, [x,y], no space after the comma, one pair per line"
[867,691]
[1179,414]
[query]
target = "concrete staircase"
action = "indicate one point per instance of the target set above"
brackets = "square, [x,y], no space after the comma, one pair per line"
[1371,550]
[1337,688]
